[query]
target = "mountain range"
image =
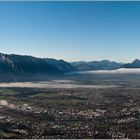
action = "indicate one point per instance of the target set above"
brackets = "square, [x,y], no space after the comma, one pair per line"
[96,65]
[22,67]
[22,64]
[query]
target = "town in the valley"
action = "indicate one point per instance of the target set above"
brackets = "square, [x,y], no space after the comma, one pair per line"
[71,110]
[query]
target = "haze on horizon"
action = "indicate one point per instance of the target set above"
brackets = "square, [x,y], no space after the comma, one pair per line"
[71,31]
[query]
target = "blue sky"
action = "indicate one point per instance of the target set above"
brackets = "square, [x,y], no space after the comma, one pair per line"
[71,31]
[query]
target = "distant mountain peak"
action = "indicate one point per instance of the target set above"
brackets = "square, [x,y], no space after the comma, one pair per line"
[104,60]
[134,64]
[136,61]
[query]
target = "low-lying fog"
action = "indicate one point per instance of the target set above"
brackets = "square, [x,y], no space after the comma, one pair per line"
[86,79]
[64,84]
[117,71]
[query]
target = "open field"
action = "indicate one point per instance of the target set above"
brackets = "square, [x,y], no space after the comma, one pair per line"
[89,106]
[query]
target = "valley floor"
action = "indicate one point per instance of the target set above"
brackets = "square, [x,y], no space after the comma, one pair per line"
[70,109]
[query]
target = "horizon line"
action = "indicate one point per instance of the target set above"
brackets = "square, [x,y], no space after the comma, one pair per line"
[104,59]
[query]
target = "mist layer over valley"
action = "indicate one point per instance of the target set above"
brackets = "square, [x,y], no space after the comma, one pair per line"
[116,71]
